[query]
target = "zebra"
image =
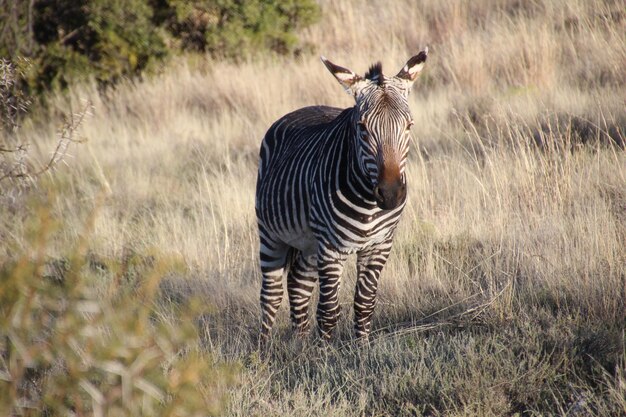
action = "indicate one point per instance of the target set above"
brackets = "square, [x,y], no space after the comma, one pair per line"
[331,182]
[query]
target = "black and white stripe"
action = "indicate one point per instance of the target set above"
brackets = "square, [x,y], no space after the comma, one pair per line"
[331,182]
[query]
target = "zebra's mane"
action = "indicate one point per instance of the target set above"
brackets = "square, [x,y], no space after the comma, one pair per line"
[375,73]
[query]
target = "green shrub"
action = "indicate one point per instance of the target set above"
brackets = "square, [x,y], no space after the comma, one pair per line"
[106,39]
[16,19]
[232,28]
[68,41]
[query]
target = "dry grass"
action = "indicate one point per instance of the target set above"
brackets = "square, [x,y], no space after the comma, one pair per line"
[506,289]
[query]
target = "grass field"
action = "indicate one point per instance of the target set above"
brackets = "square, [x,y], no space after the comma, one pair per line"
[505,293]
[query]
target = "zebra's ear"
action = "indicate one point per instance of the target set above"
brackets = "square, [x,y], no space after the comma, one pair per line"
[413,67]
[348,79]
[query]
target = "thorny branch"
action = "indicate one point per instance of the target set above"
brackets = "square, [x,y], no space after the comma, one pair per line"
[15,173]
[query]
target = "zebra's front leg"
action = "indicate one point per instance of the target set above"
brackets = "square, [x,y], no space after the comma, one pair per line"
[330,266]
[369,266]
[273,260]
[300,285]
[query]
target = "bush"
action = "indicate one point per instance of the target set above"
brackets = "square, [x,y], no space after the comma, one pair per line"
[103,38]
[234,29]
[68,41]
[16,26]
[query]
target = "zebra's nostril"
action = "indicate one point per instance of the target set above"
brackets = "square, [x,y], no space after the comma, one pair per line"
[377,195]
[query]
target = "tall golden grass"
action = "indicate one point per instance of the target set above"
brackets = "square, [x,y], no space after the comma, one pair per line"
[506,290]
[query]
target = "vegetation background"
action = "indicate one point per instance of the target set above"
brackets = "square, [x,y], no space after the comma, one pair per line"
[129,272]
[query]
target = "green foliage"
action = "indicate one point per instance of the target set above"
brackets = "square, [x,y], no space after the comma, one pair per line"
[65,349]
[232,29]
[101,38]
[16,24]
[69,41]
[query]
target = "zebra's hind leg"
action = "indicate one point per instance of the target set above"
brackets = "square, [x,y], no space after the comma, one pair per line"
[330,266]
[369,265]
[274,257]
[300,285]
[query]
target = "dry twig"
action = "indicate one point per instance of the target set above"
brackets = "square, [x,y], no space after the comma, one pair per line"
[15,173]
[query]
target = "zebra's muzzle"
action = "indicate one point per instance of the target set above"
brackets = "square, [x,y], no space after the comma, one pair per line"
[390,195]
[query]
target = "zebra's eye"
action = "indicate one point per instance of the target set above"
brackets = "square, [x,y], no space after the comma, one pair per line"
[408,126]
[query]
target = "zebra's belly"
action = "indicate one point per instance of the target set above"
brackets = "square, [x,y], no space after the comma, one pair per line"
[303,240]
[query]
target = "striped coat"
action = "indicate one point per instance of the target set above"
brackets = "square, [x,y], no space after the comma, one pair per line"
[331,182]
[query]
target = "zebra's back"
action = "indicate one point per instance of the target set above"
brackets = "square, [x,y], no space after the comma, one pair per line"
[289,133]
[286,166]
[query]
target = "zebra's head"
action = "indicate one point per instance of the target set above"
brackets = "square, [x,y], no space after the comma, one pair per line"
[381,124]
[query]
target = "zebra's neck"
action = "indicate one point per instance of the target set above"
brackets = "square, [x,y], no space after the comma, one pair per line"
[356,178]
